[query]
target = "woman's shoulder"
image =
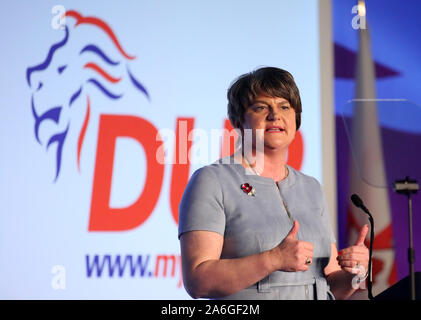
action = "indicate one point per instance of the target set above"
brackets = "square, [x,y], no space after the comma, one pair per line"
[305,179]
[218,169]
[212,180]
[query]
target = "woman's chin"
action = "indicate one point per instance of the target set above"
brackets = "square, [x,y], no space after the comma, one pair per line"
[272,147]
[277,143]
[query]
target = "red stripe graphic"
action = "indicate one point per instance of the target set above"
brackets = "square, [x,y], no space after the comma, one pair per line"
[82,132]
[101,24]
[101,71]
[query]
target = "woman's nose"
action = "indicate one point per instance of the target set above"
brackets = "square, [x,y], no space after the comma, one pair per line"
[273,115]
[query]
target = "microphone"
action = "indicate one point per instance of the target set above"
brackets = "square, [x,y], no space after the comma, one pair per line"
[356,200]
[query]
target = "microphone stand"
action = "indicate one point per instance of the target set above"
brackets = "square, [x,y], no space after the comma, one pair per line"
[370,266]
[408,187]
[356,200]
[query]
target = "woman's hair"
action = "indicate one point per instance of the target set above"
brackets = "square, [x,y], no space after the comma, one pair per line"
[269,81]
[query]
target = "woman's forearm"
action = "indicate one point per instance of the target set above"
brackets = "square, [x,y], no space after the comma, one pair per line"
[219,278]
[340,283]
[206,275]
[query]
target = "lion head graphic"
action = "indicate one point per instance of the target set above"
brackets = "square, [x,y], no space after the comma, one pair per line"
[88,67]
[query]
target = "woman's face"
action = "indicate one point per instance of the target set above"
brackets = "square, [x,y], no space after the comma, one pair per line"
[276,119]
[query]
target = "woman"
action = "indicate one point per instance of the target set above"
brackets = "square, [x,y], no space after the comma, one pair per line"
[252,227]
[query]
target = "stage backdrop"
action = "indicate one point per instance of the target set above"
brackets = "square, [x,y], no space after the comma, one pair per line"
[106,109]
[397,78]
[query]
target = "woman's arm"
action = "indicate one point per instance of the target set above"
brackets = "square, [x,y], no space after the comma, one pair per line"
[340,281]
[339,270]
[206,275]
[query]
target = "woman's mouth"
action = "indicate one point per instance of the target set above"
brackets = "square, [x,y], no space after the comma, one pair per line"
[274,129]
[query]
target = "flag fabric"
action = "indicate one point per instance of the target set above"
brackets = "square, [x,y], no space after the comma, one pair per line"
[367,173]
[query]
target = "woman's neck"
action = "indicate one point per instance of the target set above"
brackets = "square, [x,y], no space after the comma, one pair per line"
[270,163]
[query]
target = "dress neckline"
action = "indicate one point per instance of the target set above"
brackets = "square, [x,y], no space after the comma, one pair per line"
[249,174]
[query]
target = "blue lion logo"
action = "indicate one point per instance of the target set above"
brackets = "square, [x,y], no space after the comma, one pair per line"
[101,69]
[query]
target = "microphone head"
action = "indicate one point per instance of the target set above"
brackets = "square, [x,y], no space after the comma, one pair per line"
[356,200]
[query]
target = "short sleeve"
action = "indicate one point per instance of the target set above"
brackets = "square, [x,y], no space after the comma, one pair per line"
[201,207]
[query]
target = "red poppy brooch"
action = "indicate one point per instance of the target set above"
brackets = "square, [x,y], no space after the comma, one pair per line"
[248,189]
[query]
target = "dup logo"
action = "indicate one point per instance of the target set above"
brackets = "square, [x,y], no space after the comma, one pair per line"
[89,64]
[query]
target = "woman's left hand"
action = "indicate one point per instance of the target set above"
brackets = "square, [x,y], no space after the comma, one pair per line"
[353,259]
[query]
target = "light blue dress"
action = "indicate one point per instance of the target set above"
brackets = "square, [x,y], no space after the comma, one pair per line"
[214,201]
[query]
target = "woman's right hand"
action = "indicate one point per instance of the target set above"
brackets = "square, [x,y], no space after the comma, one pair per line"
[292,254]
